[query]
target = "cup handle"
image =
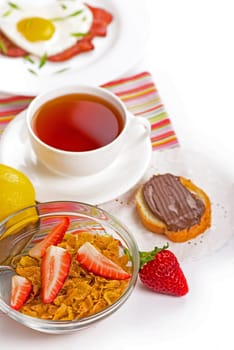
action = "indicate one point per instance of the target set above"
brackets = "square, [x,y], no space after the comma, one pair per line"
[135,121]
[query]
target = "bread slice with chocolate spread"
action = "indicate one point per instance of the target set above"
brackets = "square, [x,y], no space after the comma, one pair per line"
[174,206]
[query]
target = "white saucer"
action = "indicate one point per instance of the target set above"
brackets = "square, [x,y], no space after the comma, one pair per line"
[124,173]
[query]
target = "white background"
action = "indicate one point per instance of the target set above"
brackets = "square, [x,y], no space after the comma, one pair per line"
[190,54]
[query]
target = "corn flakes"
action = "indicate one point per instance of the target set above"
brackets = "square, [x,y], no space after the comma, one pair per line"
[83,293]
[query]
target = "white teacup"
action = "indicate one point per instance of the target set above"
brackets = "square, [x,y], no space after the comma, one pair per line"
[82,163]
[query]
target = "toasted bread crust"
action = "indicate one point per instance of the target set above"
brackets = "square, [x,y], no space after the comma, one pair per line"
[152,223]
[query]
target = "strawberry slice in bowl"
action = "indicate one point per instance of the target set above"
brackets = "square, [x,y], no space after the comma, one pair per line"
[53,238]
[20,290]
[94,261]
[55,268]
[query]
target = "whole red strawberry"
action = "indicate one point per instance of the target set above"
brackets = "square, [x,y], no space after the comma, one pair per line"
[161,272]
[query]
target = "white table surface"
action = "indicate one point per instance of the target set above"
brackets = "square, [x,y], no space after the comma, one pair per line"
[190,55]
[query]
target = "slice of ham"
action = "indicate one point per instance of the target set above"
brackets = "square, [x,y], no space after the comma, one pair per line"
[82,45]
[101,19]
[12,50]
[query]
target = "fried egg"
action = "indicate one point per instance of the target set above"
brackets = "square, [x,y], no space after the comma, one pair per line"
[45,30]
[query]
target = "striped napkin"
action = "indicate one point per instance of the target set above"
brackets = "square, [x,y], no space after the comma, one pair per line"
[140,96]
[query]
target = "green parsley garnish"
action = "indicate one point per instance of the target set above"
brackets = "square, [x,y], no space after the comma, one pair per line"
[7,13]
[78,35]
[32,71]
[13,6]
[43,60]
[3,47]
[62,70]
[29,59]
[75,13]
[68,16]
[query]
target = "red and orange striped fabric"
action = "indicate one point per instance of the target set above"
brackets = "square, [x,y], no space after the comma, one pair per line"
[140,96]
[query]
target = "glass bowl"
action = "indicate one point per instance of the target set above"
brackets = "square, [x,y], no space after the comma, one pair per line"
[22,229]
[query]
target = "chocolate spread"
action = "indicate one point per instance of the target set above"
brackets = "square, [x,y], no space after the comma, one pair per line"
[172,203]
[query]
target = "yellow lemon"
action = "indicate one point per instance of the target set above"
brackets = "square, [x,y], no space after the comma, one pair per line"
[16,191]
[16,194]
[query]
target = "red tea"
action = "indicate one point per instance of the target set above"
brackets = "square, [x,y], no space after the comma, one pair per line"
[77,122]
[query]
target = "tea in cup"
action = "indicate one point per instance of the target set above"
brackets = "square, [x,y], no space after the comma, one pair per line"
[79,130]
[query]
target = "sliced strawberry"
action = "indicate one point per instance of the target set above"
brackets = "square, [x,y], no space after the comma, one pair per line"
[94,261]
[55,267]
[53,238]
[20,290]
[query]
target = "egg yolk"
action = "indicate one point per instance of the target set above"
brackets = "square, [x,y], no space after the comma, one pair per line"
[36,29]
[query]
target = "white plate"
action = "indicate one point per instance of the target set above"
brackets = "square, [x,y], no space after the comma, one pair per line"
[125,172]
[113,55]
[208,171]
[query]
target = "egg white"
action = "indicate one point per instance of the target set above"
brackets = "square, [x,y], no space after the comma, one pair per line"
[62,38]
